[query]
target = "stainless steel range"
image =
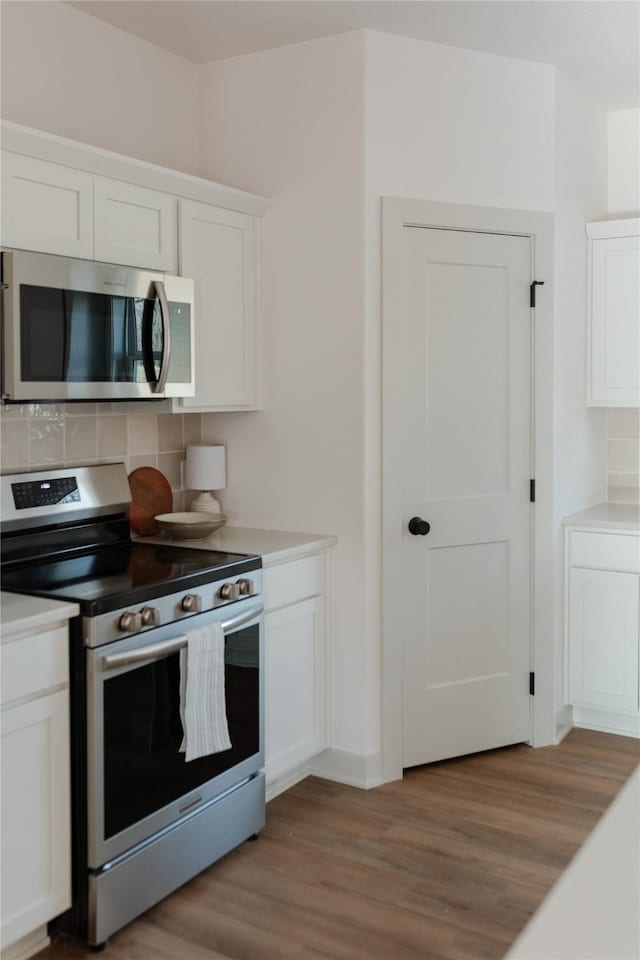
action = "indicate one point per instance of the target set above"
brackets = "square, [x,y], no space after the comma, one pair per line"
[144,820]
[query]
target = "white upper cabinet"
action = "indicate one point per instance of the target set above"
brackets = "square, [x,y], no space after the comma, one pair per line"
[613,374]
[135,226]
[46,207]
[219,251]
[69,199]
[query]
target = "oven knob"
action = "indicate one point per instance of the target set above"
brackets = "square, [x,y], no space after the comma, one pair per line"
[130,622]
[229,591]
[150,617]
[191,603]
[246,587]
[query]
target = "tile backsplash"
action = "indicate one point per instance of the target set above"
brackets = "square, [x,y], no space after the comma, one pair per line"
[623,473]
[39,435]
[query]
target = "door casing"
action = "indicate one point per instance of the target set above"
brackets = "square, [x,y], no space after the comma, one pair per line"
[397,214]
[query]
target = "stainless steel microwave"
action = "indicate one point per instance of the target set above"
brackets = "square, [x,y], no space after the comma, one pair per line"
[78,330]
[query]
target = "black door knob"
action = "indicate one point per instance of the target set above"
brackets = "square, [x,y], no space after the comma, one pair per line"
[419,527]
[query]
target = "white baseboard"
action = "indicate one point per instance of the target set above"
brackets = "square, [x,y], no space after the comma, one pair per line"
[564,724]
[607,721]
[289,779]
[363,770]
[27,946]
[355,769]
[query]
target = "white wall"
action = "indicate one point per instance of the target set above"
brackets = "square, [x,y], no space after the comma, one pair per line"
[459,126]
[624,164]
[580,431]
[624,201]
[325,129]
[288,123]
[67,73]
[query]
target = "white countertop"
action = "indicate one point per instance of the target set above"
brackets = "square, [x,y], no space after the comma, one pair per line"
[612,516]
[593,911]
[21,615]
[274,546]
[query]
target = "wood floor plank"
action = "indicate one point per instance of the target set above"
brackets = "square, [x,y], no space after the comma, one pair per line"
[447,864]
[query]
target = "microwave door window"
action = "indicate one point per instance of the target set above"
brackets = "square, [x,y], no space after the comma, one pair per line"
[76,337]
[124,354]
[43,340]
[62,335]
[86,336]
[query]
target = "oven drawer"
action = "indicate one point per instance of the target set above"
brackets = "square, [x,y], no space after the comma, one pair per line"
[289,582]
[31,665]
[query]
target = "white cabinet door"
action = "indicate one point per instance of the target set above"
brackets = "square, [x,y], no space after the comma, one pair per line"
[46,207]
[135,226]
[294,685]
[603,639]
[218,250]
[36,861]
[614,320]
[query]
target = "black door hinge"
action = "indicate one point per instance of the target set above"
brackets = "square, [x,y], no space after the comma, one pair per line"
[532,491]
[532,684]
[532,291]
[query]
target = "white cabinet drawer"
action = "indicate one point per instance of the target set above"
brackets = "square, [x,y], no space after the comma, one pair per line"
[292,581]
[605,551]
[33,664]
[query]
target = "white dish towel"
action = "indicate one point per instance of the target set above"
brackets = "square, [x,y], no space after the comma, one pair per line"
[202,698]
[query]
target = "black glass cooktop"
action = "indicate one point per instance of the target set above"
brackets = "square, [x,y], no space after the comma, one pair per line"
[115,576]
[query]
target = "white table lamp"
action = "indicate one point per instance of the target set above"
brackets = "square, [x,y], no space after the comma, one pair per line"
[205,471]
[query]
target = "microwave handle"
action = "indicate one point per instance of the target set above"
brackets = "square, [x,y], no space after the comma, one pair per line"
[161,296]
[155,650]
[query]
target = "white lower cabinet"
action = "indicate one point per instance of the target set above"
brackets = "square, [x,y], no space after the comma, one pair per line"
[295,667]
[36,880]
[36,799]
[603,639]
[603,630]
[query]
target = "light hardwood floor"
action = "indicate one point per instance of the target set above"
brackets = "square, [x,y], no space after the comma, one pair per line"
[448,863]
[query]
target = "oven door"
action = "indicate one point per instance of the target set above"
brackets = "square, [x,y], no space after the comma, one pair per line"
[138,782]
[77,330]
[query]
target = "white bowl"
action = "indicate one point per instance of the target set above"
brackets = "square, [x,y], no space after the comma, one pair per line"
[189,526]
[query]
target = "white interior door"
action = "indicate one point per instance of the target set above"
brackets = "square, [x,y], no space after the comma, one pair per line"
[466,421]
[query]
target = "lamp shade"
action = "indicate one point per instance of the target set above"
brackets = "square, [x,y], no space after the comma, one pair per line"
[206,467]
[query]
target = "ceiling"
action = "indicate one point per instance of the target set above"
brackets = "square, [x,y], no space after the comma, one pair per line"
[595,42]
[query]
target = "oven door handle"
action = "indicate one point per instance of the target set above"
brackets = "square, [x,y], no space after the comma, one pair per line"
[156,650]
[228,626]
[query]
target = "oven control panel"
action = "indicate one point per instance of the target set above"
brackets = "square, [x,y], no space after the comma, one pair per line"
[44,493]
[234,591]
